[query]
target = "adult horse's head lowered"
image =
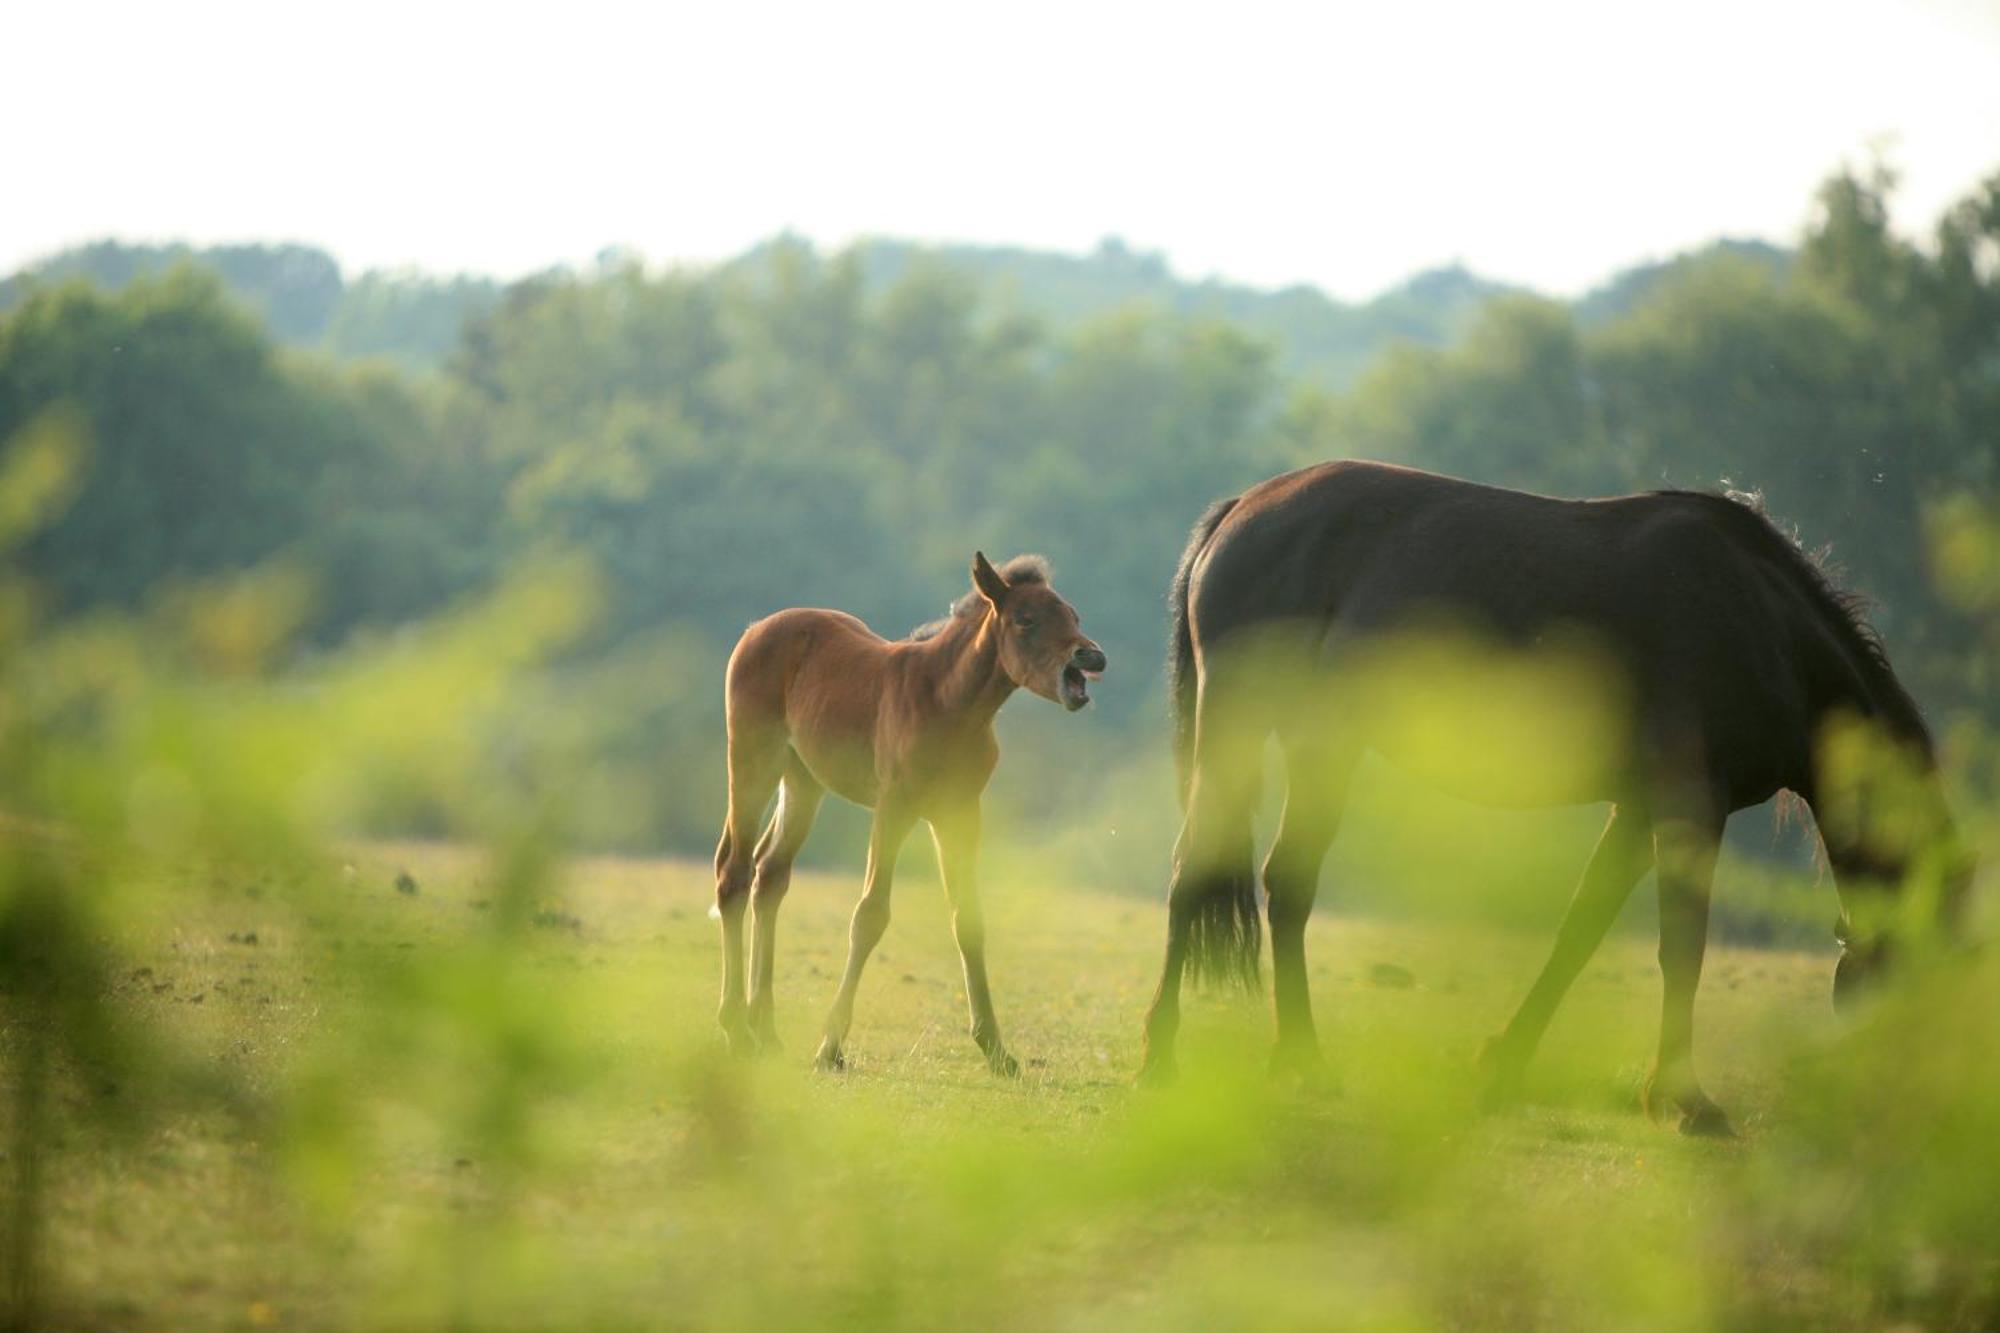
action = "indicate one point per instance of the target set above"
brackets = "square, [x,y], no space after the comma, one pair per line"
[1728,666]
[818,702]
[1902,871]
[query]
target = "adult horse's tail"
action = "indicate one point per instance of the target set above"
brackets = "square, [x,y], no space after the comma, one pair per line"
[1181,680]
[1214,896]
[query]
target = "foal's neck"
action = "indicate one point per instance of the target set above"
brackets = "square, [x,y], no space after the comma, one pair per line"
[965,661]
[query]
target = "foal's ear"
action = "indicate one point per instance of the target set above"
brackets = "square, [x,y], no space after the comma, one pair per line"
[987,579]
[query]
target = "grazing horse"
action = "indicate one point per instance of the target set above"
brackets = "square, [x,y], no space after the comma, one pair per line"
[818,703]
[1732,659]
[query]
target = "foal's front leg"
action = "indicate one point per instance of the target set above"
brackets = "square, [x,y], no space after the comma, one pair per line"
[871,918]
[957,837]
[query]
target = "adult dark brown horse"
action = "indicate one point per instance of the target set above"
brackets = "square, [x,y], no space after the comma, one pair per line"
[1733,658]
[817,702]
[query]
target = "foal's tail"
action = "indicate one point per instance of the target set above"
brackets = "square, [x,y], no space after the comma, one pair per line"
[1181,680]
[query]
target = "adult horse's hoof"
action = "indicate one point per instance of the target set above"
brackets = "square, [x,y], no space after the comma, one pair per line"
[1157,1074]
[1301,1066]
[1498,1074]
[768,1044]
[829,1060]
[1706,1122]
[1700,1117]
[1003,1064]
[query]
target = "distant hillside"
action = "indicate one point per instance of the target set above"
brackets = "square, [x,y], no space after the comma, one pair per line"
[414,318]
[1629,288]
[1316,336]
[293,288]
[299,292]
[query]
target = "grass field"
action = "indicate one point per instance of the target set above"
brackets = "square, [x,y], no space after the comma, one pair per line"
[443,1117]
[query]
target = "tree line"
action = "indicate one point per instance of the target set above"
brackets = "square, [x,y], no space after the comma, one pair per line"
[844,429]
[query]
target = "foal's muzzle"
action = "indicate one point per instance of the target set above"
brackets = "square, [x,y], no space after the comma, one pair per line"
[1074,689]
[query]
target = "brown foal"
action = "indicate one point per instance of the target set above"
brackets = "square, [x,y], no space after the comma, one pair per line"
[817,702]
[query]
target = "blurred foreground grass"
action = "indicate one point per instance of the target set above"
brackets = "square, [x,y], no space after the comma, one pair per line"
[642,1180]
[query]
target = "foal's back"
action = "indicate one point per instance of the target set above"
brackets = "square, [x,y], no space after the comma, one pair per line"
[818,677]
[799,648]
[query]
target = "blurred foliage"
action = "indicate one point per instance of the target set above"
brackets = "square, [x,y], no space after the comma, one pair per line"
[156,763]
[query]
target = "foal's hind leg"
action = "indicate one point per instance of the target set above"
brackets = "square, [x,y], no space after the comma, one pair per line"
[798,803]
[756,755]
[1624,852]
[1686,850]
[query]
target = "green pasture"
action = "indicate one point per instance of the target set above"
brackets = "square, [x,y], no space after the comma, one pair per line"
[437,1106]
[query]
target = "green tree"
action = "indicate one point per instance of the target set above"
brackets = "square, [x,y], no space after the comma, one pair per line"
[1510,404]
[211,452]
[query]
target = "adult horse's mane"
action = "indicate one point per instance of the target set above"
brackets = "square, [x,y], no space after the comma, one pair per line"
[1021,569]
[1844,611]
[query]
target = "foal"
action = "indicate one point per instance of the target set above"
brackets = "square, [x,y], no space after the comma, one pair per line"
[817,702]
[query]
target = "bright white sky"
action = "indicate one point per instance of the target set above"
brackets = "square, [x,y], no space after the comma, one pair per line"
[1546,142]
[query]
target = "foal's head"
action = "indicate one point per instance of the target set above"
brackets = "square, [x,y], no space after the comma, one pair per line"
[1042,646]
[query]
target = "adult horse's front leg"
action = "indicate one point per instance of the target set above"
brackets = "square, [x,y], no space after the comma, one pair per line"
[1685,850]
[871,918]
[957,837]
[1624,851]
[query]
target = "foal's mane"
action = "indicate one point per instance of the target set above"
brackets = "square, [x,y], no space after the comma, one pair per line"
[1844,611]
[1021,569]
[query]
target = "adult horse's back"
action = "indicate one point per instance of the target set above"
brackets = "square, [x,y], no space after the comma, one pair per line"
[1721,656]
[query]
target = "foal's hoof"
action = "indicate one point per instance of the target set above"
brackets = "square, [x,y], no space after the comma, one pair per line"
[769,1045]
[1003,1064]
[1158,1074]
[829,1060]
[1706,1122]
[741,1044]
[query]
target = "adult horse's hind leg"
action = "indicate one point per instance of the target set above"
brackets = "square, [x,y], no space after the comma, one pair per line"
[756,756]
[1214,877]
[1624,853]
[798,804]
[1686,849]
[1316,788]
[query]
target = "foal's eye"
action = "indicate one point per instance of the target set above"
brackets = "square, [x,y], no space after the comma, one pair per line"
[1024,622]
